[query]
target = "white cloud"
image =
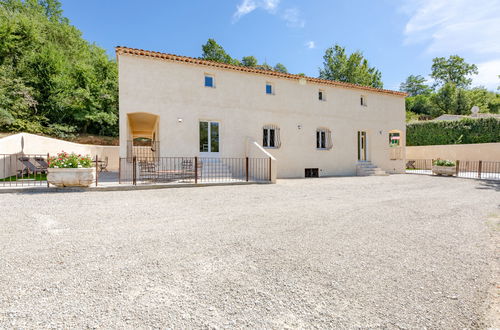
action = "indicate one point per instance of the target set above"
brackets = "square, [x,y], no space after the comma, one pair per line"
[488,75]
[311,44]
[247,6]
[293,18]
[454,26]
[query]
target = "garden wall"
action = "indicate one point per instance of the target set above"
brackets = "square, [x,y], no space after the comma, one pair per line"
[478,151]
[36,144]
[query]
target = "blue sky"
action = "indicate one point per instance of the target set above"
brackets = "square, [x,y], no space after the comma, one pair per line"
[398,37]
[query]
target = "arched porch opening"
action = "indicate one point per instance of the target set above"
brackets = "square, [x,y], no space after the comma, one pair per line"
[143,135]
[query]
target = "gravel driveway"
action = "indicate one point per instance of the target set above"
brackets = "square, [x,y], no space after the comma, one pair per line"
[403,251]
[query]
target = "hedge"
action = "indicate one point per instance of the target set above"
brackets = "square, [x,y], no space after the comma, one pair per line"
[465,131]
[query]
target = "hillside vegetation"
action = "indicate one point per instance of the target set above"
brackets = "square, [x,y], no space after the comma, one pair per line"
[52,81]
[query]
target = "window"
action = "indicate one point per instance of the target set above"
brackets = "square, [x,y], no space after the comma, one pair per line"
[321,95]
[363,101]
[271,136]
[209,81]
[394,139]
[269,89]
[323,139]
[311,173]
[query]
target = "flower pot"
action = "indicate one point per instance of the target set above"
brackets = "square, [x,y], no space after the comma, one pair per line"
[71,177]
[444,170]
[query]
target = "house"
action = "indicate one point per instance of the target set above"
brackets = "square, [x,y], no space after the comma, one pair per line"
[188,107]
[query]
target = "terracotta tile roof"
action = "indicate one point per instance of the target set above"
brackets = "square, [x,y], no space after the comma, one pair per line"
[171,57]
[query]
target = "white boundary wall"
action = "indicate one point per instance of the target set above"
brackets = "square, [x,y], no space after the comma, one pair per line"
[36,144]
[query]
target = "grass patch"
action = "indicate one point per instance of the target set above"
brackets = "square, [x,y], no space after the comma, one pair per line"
[37,177]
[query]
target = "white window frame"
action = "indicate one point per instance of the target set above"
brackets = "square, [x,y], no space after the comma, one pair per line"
[266,143]
[363,101]
[323,95]
[323,135]
[213,80]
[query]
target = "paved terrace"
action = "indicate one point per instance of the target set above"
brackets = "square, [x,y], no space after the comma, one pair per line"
[404,251]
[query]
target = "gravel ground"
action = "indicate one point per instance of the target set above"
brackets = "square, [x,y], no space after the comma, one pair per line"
[403,251]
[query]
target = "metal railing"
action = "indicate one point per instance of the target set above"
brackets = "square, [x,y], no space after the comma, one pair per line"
[22,169]
[143,149]
[194,170]
[471,169]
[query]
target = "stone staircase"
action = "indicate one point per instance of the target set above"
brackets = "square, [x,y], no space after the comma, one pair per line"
[215,169]
[366,168]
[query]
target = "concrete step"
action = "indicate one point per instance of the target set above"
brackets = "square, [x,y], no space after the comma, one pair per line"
[366,168]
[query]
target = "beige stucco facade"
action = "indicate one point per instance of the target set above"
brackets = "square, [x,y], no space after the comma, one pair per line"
[174,91]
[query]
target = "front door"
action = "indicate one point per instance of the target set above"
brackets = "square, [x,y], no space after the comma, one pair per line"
[209,138]
[361,145]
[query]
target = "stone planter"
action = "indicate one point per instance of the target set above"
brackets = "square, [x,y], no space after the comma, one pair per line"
[71,177]
[444,170]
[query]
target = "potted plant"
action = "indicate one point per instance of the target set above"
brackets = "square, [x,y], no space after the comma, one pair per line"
[71,170]
[444,167]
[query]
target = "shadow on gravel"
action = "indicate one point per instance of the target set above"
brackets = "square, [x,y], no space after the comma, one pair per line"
[489,184]
[39,191]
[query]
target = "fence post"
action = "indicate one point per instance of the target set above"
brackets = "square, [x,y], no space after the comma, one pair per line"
[246,168]
[195,170]
[479,168]
[119,170]
[458,167]
[134,170]
[270,173]
[47,172]
[96,169]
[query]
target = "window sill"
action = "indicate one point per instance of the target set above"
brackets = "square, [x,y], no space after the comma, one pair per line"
[270,147]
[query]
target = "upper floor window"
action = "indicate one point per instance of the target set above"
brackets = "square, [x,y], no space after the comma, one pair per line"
[321,95]
[271,136]
[323,139]
[209,81]
[363,101]
[269,88]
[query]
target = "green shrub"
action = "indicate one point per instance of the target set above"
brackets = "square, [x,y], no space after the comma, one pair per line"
[465,131]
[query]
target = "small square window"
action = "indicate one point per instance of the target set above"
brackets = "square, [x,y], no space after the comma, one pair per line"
[321,95]
[269,89]
[209,81]
[363,101]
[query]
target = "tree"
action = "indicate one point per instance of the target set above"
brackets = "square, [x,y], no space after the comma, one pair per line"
[415,85]
[280,68]
[52,80]
[265,66]
[212,51]
[353,68]
[249,61]
[452,70]
[420,104]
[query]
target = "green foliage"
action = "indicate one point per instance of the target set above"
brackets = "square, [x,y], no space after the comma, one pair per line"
[249,61]
[420,105]
[72,160]
[353,68]
[415,85]
[280,68]
[52,81]
[212,51]
[453,70]
[442,162]
[483,130]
